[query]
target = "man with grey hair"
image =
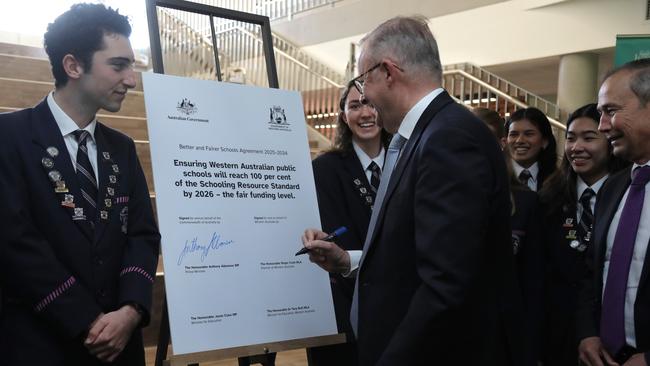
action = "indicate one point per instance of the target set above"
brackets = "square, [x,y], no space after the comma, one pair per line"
[436,282]
[614,312]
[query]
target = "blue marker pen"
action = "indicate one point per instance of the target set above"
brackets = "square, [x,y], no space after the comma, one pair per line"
[338,232]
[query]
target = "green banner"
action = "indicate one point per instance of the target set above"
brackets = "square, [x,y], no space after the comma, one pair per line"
[631,47]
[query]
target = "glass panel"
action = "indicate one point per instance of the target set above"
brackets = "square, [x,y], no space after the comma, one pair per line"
[241,53]
[186,43]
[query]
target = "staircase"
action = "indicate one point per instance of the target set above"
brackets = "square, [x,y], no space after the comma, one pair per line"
[274,9]
[241,60]
[475,87]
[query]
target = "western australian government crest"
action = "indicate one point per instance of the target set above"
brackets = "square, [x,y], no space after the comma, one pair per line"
[278,119]
[185,106]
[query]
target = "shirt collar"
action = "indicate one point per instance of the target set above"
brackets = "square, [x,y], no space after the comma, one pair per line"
[581,186]
[533,169]
[65,123]
[411,119]
[635,165]
[365,159]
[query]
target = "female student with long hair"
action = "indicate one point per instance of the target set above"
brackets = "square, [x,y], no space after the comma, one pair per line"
[568,198]
[532,146]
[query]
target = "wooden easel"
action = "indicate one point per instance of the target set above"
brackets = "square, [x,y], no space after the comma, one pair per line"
[252,354]
[247,355]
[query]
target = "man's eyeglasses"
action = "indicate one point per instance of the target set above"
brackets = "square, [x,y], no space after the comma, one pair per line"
[361,79]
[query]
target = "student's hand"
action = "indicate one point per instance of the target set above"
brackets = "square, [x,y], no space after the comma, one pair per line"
[110,333]
[593,353]
[326,255]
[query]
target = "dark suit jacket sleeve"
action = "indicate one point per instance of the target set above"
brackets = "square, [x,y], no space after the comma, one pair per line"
[141,254]
[532,276]
[28,263]
[451,210]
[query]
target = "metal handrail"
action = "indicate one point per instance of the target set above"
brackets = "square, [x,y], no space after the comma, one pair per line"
[293,59]
[239,49]
[306,59]
[555,123]
[281,47]
[532,99]
[273,9]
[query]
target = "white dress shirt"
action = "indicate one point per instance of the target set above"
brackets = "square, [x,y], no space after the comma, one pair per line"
[638,257]
[534,171]
[405,129]
[67,127]
[366,160]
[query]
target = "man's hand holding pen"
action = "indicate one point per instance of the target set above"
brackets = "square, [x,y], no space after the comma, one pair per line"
[325,254]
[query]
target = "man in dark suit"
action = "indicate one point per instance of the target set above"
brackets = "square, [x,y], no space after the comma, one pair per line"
[436,282]
[80,245]
[614,308]
[347,178]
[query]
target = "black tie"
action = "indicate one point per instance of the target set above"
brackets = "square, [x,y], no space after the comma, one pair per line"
[86,177]
[375,174]
[587,217]
[524,176]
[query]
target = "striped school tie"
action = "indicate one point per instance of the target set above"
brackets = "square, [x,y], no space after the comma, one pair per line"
[86,177]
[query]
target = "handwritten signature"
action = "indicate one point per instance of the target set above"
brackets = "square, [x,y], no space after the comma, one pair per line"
[194,246]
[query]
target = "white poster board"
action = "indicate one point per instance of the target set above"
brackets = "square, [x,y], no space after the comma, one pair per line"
[234,192]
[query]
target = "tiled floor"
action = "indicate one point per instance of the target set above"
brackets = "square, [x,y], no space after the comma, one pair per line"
[287,358]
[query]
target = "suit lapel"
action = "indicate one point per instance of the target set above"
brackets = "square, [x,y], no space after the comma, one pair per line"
[605,213]
[407,151]
[60,172]
[569,227]
[359,182]
[646,261]
[108,173]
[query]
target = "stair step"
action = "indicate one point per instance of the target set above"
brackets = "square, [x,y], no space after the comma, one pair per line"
[20,50]
[144,154]
[35,69]
[16,93]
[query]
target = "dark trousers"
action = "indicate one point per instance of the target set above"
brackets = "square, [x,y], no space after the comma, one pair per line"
[344,354]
